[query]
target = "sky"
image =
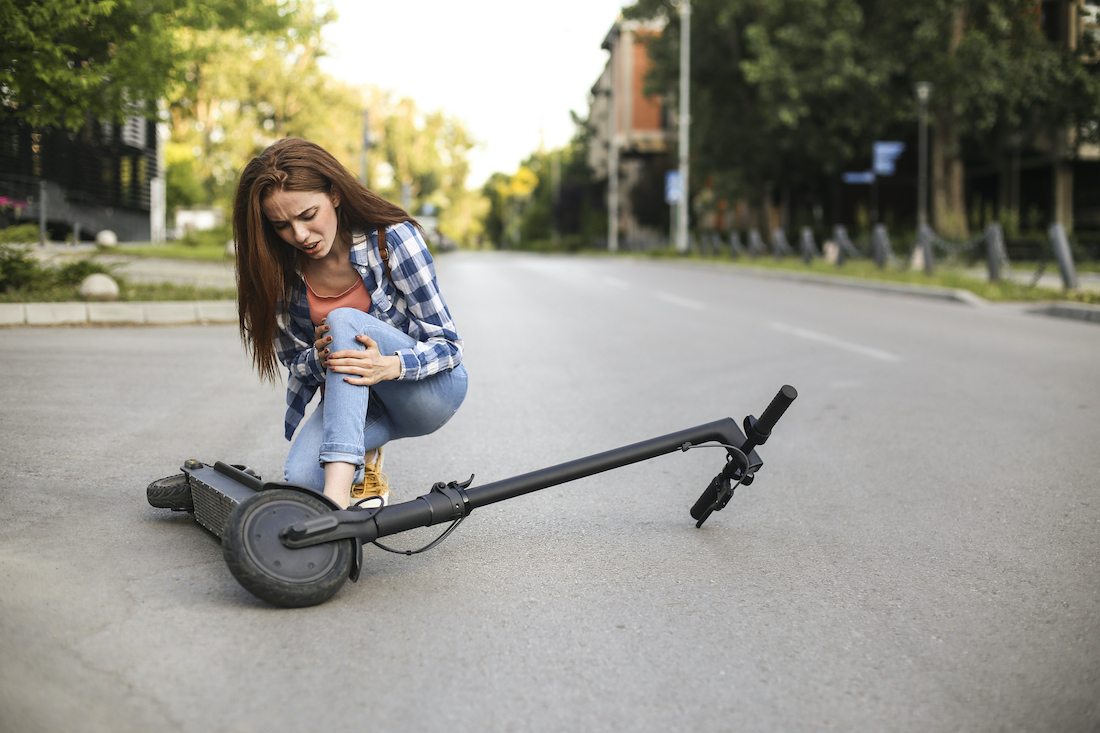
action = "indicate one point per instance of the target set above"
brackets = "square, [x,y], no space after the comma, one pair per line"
[511,70]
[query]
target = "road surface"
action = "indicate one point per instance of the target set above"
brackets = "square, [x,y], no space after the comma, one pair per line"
[920,552]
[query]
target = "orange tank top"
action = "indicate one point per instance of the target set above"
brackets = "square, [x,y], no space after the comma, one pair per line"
[321,305]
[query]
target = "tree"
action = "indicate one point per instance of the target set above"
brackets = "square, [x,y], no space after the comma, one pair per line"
[550,202]
[1000,72]
[243,91]
[64,61]
[788,92]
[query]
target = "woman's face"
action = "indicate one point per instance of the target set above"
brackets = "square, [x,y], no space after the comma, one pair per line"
[306,220]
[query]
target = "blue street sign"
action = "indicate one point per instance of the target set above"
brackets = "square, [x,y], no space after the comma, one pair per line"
[885,155]
[674,188]
[860,177]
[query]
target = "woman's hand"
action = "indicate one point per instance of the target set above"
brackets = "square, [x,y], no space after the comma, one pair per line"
[321,342]
[367,367]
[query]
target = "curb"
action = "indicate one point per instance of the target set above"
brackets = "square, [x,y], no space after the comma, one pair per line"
[956,295]
[1078,311]
[162,313]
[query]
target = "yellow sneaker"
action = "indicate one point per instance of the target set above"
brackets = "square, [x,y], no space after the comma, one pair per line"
[375,485]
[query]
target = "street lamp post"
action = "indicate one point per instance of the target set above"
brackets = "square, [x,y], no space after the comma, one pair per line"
[924,91]
[684,207]
[613,162]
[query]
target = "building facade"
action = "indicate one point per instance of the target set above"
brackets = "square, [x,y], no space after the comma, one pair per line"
[632,137]
[101,177]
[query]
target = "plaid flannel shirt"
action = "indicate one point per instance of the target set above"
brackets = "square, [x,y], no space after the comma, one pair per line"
[409,300]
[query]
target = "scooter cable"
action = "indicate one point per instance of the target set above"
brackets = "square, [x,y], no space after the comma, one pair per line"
[425,548]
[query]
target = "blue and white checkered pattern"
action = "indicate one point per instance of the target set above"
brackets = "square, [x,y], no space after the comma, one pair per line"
[409,300]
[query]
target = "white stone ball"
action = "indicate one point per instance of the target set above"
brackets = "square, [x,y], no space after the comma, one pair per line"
[106,238]
[98,286]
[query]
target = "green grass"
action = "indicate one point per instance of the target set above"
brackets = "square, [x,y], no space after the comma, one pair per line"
[128,293]
[946,276]
[174,251]
[207,245]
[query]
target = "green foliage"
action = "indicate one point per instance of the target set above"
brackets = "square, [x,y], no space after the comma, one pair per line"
[19,269]
[67,60]
[71,274]
[181,251]
[183,187]
[208,238]
[23,275]
[19,234]
[23,279]
[244,90]
[789,92]
[525,210]
[1003,291]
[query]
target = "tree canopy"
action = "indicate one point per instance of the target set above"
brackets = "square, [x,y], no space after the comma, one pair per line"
[63,61]
[788,92]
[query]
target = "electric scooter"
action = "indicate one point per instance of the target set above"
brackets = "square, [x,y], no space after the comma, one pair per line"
[294,547]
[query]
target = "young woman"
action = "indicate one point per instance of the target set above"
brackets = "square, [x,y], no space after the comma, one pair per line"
[338,285]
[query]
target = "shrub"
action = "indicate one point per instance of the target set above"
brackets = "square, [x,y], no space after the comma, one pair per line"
[72,274]
[19,234]
[216,237]
[19,270]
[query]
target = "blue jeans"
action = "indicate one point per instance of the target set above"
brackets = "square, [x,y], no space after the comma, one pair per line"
[353,419]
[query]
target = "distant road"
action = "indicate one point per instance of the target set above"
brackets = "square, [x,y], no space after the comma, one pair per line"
[920,552]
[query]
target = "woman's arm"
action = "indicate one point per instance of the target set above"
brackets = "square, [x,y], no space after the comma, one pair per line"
[421,305]
[294,345]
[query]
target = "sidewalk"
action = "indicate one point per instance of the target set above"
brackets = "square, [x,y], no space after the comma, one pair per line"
[149,270]
[199,273]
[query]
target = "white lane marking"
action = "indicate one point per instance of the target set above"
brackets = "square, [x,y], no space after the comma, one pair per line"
[836,343]
[682,302]
[615,282]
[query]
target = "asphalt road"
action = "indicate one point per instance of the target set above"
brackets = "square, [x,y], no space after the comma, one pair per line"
[920,552]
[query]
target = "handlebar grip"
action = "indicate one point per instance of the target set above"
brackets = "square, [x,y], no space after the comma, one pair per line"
[706,501]
[775,410]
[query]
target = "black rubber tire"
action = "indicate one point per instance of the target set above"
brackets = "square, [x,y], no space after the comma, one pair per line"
[272,571]
[173,492]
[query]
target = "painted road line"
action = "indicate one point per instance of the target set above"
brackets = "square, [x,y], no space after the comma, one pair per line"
[682,302]
[836,343]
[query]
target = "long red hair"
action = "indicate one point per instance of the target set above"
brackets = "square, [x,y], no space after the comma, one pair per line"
[267,267]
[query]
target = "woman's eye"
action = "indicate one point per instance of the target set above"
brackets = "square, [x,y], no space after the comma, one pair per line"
[309,217]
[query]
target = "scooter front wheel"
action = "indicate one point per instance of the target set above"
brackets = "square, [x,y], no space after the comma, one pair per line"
[270,570]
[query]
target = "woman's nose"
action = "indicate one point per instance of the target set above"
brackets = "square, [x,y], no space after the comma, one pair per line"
[300,231]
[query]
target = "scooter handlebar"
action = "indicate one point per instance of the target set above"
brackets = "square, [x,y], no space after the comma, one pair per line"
[708,502]
[775,410]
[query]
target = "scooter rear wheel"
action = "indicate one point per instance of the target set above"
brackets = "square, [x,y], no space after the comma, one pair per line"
[270,570]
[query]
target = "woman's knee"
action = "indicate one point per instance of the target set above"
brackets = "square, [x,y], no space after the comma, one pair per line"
[345,324]
[347,318]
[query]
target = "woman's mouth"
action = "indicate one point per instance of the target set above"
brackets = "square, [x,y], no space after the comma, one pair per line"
[310,247]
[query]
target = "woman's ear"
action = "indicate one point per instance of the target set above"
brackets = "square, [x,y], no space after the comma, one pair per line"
[335,199]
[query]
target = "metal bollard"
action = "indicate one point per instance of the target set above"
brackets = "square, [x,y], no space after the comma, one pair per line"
[756,244]
[807,245]
[1064,255]
[880,242]
[924,241]
[996,253]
